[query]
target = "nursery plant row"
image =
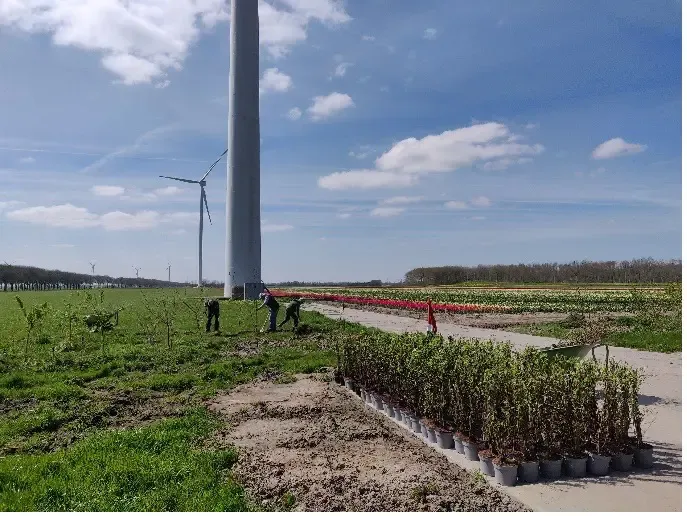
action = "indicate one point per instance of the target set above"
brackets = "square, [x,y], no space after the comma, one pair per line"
[521,414]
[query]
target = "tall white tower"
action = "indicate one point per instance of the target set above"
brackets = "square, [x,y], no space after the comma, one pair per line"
[243,242]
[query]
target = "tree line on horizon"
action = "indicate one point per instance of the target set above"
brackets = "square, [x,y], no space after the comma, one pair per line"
[15,278]
[641,270]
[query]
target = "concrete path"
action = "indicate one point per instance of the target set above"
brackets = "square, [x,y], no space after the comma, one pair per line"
[658,489]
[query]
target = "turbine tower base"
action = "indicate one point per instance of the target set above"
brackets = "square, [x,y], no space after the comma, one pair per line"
[251,291]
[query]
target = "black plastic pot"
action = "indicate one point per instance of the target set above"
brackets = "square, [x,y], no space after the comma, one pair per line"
[575,467]
[528,472]
[486,465]
[551,469]
[622,462]
[470,450]
[506,475]
[644,457]
[598,465]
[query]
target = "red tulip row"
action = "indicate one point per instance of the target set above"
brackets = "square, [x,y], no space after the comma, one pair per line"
[389,303]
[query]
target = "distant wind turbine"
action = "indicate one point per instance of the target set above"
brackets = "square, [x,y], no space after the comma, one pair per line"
[169,273]
[137,269]
[92,267]
[203,200]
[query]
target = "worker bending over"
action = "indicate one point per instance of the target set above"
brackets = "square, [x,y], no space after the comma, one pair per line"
[212,309]
[270,302]
[293,311]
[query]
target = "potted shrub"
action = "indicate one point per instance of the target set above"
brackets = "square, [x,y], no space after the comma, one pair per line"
[644,452]
[506,467]
[580,408]
[458,438]
[599,460]
[486,465]
[470,448]
[622,448]
[444,438]
[431,431]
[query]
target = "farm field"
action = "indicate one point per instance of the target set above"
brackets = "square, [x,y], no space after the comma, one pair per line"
[646,318]
[508,300]
[133,416]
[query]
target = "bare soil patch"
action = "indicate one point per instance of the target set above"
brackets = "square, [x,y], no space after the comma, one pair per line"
[310,446]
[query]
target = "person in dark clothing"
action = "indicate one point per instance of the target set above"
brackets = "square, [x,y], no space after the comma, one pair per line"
[212,309]
[293,311]
[270,302]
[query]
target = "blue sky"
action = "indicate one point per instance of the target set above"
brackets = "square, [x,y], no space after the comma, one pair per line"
[395,134]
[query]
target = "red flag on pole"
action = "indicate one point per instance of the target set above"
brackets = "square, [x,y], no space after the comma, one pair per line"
[431,321]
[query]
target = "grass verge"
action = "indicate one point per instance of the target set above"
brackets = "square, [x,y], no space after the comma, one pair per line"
[161,467]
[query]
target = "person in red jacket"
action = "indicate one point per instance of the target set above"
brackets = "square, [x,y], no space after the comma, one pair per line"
[431,321]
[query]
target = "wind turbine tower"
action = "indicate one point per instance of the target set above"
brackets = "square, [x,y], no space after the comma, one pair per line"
[169,273]
[137,269]
[243,240]
[203,200]
[92,268]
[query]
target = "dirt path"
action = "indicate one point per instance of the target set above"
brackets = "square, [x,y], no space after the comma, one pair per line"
[659,489]
[310,446]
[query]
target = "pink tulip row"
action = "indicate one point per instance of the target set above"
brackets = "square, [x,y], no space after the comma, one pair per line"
[389,303]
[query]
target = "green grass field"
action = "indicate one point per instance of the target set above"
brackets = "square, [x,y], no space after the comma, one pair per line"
[661,333]
[113,422]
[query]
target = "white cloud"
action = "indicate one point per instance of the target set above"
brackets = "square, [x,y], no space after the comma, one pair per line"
[341,69]
[481,201]
[27,160]
[503,164]
[274,228]
[456,205]
[406,160]
[62,246]
[343,216]
[4,205]
[163,84]
[477,217]
[70,216]
[132,69]
[274,80]
[362,152]
[364,179]
[387,212]
[531,125]
[181,218]
[107,191]
[368,38]
[120,221]
[168,190]
[326,106]
[430,33]
[294,113]
[141,39]
[401,200]
[616,147]
[62,216]
[453,149]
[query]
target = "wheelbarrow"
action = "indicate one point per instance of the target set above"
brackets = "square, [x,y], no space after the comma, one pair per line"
[575,351]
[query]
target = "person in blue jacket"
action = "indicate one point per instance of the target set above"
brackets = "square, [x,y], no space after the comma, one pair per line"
[270,302]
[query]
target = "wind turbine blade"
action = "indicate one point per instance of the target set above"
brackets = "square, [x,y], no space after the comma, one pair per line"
[180,179]
[213,165]
[205,199]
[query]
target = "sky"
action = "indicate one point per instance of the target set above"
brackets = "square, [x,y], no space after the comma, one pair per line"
[394,134]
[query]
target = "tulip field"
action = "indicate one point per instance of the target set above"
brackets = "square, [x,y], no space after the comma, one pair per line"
[484,300]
